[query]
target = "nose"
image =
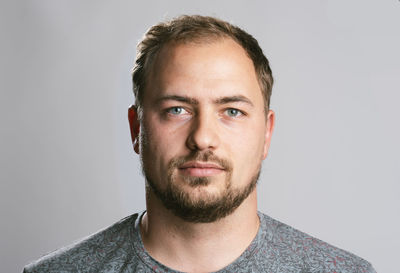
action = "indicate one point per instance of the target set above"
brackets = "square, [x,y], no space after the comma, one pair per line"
[203,133]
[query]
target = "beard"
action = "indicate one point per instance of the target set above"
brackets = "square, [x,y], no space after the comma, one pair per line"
[182,203]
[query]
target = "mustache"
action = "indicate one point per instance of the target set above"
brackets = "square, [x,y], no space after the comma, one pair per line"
[206,156]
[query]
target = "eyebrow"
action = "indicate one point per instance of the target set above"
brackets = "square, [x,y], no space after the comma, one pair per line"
[184,99]
[229,99]
[192,101]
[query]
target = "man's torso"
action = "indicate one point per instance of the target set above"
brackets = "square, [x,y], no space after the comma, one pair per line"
[276,248]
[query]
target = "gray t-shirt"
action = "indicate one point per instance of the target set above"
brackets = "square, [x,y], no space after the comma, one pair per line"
[276,248]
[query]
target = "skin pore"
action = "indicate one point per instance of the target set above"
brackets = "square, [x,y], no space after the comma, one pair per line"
[202,136]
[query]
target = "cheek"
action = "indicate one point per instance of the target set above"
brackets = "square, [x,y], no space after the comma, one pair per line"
[163,142]
[248,149]
[249,141]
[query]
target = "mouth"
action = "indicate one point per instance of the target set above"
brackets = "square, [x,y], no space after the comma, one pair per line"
[200,169]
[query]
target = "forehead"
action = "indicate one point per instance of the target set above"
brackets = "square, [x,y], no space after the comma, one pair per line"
[203,69]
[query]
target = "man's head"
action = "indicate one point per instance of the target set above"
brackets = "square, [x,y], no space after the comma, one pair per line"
[204,121]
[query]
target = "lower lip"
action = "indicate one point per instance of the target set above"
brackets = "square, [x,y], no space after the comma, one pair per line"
[201,172]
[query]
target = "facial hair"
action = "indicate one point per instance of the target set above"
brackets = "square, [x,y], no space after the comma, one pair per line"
[205,210]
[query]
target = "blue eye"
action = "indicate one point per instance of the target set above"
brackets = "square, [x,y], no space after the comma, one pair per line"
[176,110]
[232,112]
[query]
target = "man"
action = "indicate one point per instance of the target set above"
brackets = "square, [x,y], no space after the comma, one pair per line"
[202,127]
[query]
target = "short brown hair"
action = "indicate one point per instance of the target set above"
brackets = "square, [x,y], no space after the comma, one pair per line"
[187,28]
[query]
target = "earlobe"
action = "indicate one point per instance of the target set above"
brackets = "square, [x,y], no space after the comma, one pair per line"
[134,125]
[270,123]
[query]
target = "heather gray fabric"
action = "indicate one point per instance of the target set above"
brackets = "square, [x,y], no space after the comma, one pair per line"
[276,248]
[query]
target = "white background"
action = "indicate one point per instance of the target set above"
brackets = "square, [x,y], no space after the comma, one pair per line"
[67,166]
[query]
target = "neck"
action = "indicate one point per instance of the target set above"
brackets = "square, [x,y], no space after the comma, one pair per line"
[191,247]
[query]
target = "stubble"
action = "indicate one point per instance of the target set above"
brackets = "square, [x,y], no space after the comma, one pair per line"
[183,204]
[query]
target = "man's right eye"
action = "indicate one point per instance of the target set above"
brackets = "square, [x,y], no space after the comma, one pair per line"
[176,110]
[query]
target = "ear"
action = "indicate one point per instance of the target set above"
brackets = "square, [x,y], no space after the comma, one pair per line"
[270,123]
[134,125]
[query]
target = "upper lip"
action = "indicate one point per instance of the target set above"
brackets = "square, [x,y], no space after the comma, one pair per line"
[197,164]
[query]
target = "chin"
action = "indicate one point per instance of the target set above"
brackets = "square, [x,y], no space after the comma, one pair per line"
[203,193]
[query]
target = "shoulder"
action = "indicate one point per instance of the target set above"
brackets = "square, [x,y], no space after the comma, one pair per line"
[300,250]
[86,254]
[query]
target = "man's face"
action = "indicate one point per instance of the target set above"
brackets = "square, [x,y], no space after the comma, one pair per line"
[204,132]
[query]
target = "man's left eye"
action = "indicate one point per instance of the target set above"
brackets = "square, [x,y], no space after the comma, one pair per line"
[232,112]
